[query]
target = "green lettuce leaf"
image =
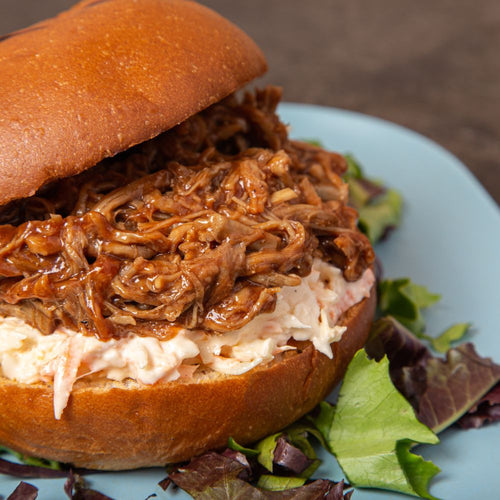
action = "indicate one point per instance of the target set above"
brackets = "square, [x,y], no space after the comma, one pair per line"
[249,452]
[354,169]
[379,208]
[33,461]
[404,300]
[456,332]
[266,448]
[371,429]
[279,483]
[381,215]
[314,142]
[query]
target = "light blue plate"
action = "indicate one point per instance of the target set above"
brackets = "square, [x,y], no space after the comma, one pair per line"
[449,241]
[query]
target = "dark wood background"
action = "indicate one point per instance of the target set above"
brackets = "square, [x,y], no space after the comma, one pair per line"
[431,65]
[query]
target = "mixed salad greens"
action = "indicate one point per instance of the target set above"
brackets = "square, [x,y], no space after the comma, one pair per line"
[406,393]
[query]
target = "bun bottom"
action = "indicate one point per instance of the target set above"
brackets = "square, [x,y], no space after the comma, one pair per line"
[116,426]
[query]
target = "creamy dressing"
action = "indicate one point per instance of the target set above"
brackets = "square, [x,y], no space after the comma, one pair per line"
[309,311]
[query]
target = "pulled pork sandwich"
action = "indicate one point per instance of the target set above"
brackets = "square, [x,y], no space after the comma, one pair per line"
[174,270]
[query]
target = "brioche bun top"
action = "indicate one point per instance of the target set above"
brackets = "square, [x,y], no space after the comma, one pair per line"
[106,75]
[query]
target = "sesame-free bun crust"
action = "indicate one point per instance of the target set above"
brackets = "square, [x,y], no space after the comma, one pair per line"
[106,75]
[113,426]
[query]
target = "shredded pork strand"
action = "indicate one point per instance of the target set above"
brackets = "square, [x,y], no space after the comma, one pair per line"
[197,228]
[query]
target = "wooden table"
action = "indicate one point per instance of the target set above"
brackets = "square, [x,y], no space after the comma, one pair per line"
[431,65]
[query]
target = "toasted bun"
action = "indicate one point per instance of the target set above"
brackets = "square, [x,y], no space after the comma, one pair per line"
[106,75]
[96,80]
[114,426]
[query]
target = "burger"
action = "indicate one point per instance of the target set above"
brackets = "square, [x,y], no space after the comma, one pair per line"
[174,269]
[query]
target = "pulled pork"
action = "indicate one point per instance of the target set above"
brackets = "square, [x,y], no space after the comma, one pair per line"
[197,228]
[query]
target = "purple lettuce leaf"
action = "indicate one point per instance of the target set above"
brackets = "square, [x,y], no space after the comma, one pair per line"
[486,410]
[37,468]
[165,483]
[29,471]
[289,457]
[247,473]
[288,452]
[440,390]
[24,491]
[215,476]
[89,494]
[76,489]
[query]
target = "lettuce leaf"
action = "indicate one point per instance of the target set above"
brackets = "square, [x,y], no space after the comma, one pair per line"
[486,410]
[293,460]
[371,429]
[266,448]
[24,491]
[213,476]
[249,452]
[34,461]
[379,208]
[299,435]
[314,142]
[381,215]
[404,300]
[29,471]
[76,489]
[279,483]
[440,390]
[289,450]
[443,342]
